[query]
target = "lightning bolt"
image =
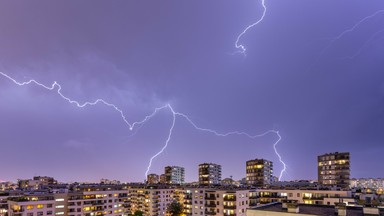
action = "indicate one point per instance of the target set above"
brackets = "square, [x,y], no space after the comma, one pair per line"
[241,48]
[371,39]
[342,34]
[56,86]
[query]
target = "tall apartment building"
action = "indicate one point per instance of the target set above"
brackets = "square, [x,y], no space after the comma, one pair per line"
[334,169]
[209,174]
[259,172]
[174,174]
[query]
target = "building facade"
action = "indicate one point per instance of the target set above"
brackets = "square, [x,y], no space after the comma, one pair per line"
[153,178]
[209,174]
[218,201]
[334,169]
[259,172]
[151,201]
[174,174]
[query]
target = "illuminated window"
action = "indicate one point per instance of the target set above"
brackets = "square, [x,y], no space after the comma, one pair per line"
[60,206]
[29,206]
[40,206]
[59,213]
[59,200]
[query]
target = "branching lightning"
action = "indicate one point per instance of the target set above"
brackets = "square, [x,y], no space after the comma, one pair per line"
[342,34]
[56,86]
[241,48]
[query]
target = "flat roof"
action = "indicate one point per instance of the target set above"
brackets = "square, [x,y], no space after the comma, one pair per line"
[323,210]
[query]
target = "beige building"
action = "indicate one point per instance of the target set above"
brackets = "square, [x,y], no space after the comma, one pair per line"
[219,201]
[33,206]
[152,201]
[86,201]
[295,209]
[109,202]
[318,197]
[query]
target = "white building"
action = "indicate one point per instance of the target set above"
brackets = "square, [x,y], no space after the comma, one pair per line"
[174,174]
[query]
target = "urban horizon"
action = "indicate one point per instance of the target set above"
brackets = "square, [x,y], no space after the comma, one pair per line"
[121,90]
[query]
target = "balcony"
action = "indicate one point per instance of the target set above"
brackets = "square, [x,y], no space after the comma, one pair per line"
[210,213]
[210,197]
[229,206]
[212,205]
[229,198]
[313,198]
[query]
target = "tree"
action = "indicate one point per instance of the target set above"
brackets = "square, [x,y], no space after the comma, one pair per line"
[138,213]
[175,209]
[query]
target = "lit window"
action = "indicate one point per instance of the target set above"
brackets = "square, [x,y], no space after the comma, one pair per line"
[59,200]
[60,206]
[40,206]
[59,213]
[29,206]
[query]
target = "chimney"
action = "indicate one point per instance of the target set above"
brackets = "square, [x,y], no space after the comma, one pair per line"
[341,209]
[293,207]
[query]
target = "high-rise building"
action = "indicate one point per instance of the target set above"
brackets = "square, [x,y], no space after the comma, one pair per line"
[259,172]
[334,169]
[153,178]
[174,174]
[209,174]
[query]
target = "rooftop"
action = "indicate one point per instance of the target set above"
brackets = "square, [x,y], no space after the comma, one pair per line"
[324,210]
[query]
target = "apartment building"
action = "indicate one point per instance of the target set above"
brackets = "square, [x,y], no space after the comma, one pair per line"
[33,205]
[259,172]
[152,201]
[334,169]
[85,200]
[3,204]
[365,183]
[318,197]
[87,203]
[174,174]
[209,174]
[218,201]
[153,178]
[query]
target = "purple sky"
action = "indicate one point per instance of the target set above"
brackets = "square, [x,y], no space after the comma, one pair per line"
[141,55]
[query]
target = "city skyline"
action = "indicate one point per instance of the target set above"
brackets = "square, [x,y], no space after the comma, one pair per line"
[319,84]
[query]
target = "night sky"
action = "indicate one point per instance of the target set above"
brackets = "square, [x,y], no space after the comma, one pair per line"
[304,74]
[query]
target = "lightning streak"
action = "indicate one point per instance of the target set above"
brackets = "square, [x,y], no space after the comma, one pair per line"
[241,48]
[78,104]
[371,39]
[241,134]
[342,34]
[131,126]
